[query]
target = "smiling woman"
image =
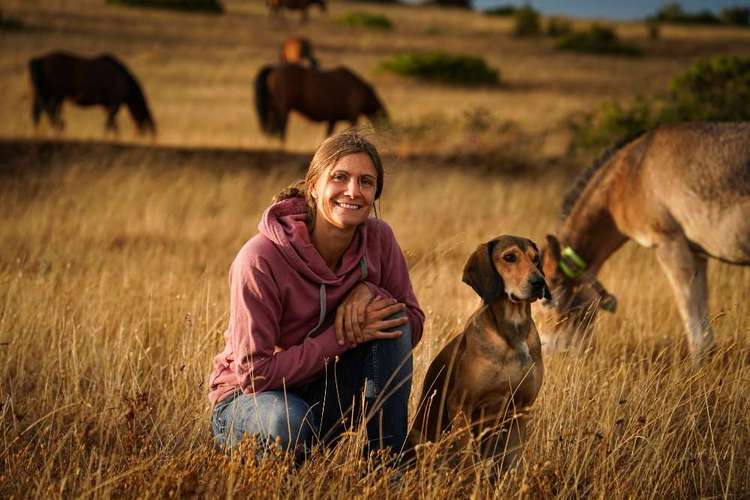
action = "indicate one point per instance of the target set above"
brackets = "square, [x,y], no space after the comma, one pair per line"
[323,281]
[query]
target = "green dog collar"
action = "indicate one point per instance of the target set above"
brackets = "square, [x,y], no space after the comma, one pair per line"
[571,264]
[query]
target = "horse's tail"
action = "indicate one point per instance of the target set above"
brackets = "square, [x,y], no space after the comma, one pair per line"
[36,75]
[267,114]
[135,99]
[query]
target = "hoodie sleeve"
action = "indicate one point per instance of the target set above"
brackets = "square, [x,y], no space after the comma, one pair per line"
[395,282]
[254,318]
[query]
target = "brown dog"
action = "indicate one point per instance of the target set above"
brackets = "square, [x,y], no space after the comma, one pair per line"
[489,374]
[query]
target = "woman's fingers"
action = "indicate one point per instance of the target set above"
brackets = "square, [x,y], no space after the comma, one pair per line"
[380,335]
[349,324]
[386,311]
[389,323]
[359,319]
[339,323]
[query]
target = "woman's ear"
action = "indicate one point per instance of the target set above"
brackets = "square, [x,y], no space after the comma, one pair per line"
[481,275]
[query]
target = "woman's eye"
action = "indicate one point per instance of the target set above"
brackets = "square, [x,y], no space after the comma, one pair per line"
[509,257]
[339,177]
[367,182]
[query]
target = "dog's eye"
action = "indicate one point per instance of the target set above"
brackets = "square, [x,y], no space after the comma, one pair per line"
[509,257]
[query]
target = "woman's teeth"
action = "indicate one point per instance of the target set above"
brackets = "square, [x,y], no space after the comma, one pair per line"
[347,205]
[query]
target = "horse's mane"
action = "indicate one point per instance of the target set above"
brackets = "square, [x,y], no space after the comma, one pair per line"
[136,101]
[583,179]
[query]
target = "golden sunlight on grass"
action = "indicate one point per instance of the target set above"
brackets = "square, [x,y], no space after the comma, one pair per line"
[113,271]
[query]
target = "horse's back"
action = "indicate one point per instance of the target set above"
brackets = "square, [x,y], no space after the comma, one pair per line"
[696,175]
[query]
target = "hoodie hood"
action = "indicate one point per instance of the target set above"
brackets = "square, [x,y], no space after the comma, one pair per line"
[285,224]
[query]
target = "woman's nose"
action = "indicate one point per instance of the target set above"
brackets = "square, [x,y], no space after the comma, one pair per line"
[352,188]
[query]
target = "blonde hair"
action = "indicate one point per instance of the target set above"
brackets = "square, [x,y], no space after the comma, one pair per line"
[330,151]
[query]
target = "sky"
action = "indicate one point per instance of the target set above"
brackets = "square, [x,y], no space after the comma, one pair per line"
[621,10]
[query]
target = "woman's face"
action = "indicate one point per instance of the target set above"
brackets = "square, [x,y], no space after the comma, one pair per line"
[345,193]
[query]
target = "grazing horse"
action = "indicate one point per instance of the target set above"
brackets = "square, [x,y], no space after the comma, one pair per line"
[275,6]
[295,50]
[102,80]
[683,190]
[321,96]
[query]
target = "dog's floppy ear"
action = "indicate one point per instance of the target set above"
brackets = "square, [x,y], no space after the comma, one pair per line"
[607,301]
[551,256]
[481,275]
[546,294]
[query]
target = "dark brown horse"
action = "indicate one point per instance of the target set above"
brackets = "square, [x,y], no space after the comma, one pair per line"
[683,190]
[102,81]
[322,96]
[275,6]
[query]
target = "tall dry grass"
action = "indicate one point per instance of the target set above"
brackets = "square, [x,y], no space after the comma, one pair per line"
[113,269]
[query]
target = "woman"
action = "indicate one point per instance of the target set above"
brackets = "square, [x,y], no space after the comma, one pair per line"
[322,312]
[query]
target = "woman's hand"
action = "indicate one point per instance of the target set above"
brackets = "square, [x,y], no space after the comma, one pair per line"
[350,315]
[356,326]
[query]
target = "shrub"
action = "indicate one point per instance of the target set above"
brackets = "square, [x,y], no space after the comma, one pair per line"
[597,40]
[526,21]
[442,67]
[367,20]
[673,13]
[737,16]
[189,5]
[611,122]
[712,89]
[10,23]
[715,89]
[501,10]
[558,26]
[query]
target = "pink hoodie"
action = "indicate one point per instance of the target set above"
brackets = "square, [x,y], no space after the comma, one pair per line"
[283,294]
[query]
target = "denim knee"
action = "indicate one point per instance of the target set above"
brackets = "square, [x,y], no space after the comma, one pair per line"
[271,417]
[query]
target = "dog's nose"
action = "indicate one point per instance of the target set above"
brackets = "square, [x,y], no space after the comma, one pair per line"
[538,285]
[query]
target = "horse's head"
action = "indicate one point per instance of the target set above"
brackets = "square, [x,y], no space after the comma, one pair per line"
[566,320]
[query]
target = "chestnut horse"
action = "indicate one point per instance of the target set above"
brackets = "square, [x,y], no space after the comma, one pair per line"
[683,190]
[322,96]
[275,6]
[101,80]
[296,50]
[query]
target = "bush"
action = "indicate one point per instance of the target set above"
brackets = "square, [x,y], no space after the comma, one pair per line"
[501,10]
[558,26]
[673,13]
[526,22]
[367,20]
[736,16]
[10,23]
[716,89]
[612,122]
[442,67]
[189,5]
[596,40]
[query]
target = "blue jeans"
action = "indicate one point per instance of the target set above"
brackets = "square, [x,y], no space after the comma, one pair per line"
[375,375]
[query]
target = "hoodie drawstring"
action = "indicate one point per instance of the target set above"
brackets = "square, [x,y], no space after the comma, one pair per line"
[322,315]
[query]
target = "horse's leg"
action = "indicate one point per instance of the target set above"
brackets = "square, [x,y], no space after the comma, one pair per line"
[111,125]
[36,110]
[282,127]
[303,17]
[331,126]
[54,105]
[687,273]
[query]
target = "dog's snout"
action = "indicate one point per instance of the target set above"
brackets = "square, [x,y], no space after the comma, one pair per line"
[537,284]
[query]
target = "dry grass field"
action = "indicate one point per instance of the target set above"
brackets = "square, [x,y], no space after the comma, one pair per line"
[114,256]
